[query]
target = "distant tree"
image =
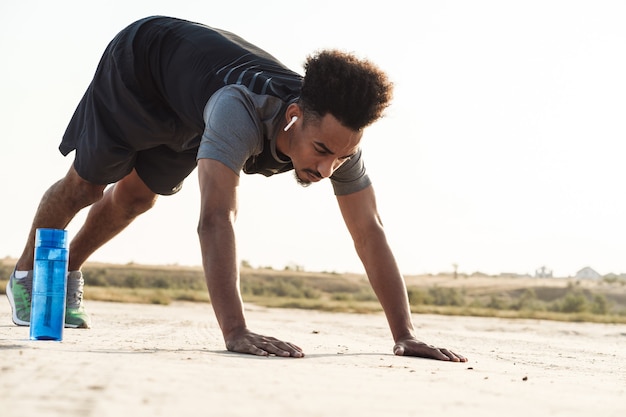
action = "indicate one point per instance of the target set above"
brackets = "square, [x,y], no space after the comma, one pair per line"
[573,302]
[600,305]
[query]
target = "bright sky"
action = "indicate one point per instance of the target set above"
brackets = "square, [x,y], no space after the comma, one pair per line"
[503,150]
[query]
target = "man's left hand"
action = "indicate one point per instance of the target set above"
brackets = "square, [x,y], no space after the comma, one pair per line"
[413,347]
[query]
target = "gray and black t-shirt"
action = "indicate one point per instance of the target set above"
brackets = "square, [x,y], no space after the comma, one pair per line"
[163,86]
[241,129]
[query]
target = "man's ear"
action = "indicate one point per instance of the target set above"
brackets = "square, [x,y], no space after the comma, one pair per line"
[293,110]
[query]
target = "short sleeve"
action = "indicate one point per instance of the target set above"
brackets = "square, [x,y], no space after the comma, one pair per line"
[351,176]
[232,133]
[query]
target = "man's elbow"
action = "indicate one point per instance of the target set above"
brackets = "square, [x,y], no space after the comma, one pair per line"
[215,220]
[373,235]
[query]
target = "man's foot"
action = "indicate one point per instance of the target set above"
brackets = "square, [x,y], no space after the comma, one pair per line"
[18,292]
[75,314]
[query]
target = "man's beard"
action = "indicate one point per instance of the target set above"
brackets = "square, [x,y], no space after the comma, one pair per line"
[303,183]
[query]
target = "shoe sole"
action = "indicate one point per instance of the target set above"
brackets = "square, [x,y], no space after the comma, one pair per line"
[16,320]
[19,322]
[83,325]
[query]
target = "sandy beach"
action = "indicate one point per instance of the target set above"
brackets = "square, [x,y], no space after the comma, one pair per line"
[152,360]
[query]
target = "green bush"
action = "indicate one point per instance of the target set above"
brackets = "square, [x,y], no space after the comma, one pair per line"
[341,296]
[528,301]
[133,280]
[148,277]
[5,271]
[600,305]
[418,296]
[497,303]
[279,287]
[161,285]
[573,302]
[438,296]
[442,296]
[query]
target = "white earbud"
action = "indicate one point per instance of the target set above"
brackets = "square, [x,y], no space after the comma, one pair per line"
[293,120]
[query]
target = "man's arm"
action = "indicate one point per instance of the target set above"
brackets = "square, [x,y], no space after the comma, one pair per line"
[364,224]
[218,210]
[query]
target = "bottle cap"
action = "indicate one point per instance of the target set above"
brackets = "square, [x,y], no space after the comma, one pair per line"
[52,238]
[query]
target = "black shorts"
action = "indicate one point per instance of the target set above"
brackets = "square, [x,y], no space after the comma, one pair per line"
[122,123]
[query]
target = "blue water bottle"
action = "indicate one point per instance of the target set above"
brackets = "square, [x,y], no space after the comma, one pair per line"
[47,314]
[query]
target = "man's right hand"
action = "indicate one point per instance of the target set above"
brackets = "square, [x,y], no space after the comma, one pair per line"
[218,210]
[246,341]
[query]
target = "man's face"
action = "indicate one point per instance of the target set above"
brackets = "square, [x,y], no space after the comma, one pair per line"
[317,148]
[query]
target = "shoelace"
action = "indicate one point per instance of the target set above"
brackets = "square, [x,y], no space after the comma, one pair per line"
[75,290]
[26,282]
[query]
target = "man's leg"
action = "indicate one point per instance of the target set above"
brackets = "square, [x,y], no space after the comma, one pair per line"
[115,210]
[57,208]
[120,205]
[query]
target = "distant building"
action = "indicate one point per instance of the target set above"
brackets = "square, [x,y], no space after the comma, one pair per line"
[513,275]
[614,277]
[588,273]
[543,272]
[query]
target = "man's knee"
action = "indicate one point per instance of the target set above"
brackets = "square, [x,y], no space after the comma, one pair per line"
[79,191]
[133,194]
[137,204]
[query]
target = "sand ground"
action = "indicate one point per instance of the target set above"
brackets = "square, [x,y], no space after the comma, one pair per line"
[149,360]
